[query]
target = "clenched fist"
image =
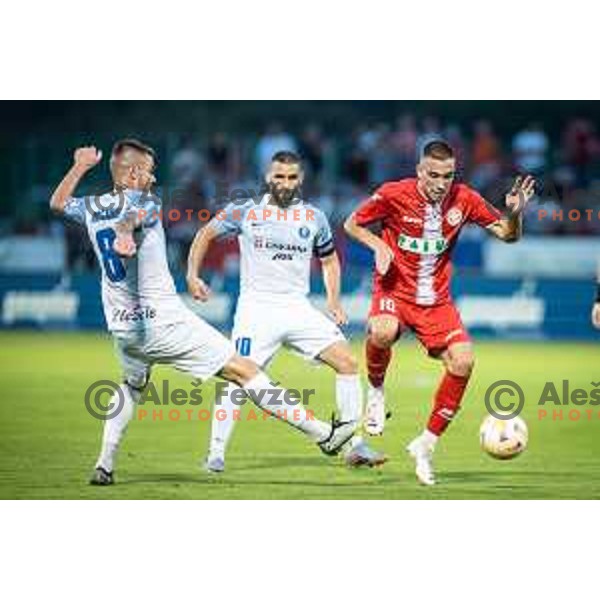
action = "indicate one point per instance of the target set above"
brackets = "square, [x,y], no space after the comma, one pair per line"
[87,157]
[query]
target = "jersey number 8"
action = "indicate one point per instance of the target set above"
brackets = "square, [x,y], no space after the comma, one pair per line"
[113,265]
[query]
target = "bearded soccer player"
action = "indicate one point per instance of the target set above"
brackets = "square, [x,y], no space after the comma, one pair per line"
[278,237]
[421,219]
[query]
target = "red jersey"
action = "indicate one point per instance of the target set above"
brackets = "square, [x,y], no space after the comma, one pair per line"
[422,235]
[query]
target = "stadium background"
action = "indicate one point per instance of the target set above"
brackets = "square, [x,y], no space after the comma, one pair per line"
[527,304]
[540,288]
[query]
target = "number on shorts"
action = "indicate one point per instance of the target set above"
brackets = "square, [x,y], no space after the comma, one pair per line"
[113,265]
[387,304]
[242,345]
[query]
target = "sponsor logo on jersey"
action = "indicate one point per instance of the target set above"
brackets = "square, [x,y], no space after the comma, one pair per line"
[283,256]
[431,246]
[138,313]
[454,216]
[270,245]
[411,219]
[304,232]
[259,243]
[106,215]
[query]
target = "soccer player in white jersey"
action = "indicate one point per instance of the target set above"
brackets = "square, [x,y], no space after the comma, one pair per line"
[278,236]
[149,322]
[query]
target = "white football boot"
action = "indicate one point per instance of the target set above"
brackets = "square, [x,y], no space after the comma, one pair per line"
[375,411]
[214,463]
[422,453]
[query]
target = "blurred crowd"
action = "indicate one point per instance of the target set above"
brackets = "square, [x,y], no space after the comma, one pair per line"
[341,170]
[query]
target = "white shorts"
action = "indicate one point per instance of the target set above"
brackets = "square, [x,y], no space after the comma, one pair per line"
[192,346]
[261,326]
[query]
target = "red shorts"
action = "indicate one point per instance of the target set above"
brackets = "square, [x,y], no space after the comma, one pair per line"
[436,327]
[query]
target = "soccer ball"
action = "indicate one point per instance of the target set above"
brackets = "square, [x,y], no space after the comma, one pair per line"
[503,439]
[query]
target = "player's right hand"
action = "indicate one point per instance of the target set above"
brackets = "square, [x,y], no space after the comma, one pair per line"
[87,157]
[596,315]
[198,289]
[384,256]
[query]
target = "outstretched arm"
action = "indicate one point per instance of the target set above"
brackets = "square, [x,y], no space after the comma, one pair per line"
[510,228]
[204,238]
[331,278]
[384,255]
[84,159]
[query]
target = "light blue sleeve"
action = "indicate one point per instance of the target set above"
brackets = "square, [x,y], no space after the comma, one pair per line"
[228,220]
[74,210]
[324,245]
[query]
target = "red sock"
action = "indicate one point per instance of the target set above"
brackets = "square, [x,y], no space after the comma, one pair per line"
[446,402]
[378,360]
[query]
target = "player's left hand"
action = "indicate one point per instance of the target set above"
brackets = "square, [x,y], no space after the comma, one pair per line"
[520,194]
[124,244]
[337,313]
[596,315]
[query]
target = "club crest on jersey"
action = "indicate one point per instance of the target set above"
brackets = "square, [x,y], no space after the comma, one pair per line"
[304,232]
[454,217]
[422,246]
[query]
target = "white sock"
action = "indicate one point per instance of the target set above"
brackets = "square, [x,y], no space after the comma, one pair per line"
[429,438]
[259,392]
[115,427]
[222,427]
[348,397]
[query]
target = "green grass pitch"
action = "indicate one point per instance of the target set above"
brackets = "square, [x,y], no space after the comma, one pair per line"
[48,441]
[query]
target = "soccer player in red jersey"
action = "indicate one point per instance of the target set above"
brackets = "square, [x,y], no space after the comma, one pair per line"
[421,219]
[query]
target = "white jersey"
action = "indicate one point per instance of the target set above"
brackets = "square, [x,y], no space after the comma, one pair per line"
[276,245]
[137,293]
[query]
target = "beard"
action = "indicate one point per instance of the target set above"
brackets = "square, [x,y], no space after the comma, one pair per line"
[283,197]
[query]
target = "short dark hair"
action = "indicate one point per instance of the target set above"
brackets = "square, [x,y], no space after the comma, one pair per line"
[126,143]
[287,157]
[438,149]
